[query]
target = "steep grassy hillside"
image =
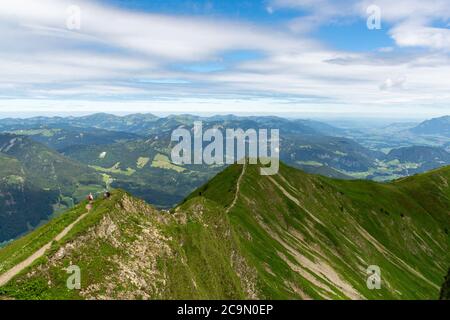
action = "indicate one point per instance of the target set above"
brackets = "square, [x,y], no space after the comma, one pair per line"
[47,168]
[324,233]
[22,204]
[22,248]
[36,182]
[128,250]
[243,235]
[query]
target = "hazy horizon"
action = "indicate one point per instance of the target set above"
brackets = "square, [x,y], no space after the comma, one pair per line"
[319,59]
[330,117]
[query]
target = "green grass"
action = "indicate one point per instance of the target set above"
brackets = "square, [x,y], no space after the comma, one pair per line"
[207,251]
[19,250]
[163,162]
[222,188]
[142,162]
[289,236]
[115,169]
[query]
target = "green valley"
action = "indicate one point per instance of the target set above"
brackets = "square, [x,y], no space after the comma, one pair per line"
[36,183]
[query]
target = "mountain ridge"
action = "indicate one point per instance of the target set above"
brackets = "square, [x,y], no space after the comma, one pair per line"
[440,126]
[312,238]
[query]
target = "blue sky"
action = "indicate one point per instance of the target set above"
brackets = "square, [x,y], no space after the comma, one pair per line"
[250,10]
[225,56]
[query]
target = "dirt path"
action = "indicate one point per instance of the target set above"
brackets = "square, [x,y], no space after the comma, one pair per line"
[238,186]
[8,275]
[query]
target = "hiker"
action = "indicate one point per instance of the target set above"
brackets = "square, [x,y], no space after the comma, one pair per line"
[107,195]
[90,197]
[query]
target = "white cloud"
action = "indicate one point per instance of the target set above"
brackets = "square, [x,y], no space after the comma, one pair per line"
[393,83]
[412,35]
[123,60]
[412,20]
[158,36]
[317,12]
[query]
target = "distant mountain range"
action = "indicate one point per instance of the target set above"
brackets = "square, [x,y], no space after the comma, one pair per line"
[91,153]
[63,136]
[145,124]
[132,123]
[428,157]
[312,238]
[436,126]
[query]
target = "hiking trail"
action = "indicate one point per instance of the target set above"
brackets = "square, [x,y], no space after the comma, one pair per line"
[238,185]
[11,273]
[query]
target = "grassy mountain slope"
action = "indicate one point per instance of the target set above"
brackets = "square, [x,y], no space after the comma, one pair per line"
[22,204]
[242,235]
[22,248]
[36,182]
[126,250]
[47,168]
[327,232]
